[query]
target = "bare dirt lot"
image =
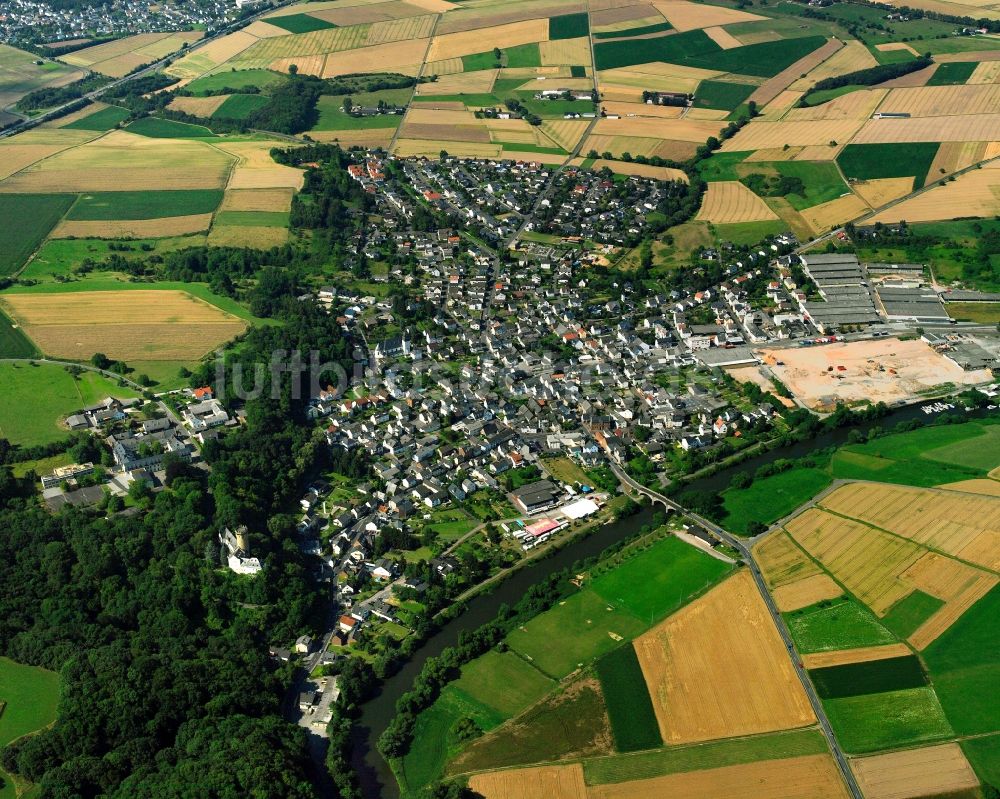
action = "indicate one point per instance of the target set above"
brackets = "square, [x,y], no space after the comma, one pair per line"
[695,661]
[910,367]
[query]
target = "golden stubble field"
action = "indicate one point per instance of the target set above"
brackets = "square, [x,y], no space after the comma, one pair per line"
[124,325]
[731,201]
[928,771]
[696,663]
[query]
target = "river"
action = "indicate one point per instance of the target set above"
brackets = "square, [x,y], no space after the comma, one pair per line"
[376,778]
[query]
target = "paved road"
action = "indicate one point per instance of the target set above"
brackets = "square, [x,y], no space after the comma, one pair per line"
[747,555]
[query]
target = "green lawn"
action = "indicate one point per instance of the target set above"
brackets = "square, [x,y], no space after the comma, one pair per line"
[910,612]
[28,700]
[300,23]
[721,166]
[750,232]
[771,498]
[721,95]
[583,625]
[27,220]
[524,55]
[873,161]
[888,720]
[105,119]
[977,452]
[630,709]
[678,759]
[477,61]
[156,128]
[984,755]
[61,256]
[503,682]
[252,218]
[236,79]
[964,663]
[822,181]
[955,73]
[658,580]
[13,342]
[144,204]
[36,398]
[333,117]
[985,313]
[836,624]
[569,26]
[240,106]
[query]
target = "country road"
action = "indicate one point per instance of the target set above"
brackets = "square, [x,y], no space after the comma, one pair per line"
[779,622]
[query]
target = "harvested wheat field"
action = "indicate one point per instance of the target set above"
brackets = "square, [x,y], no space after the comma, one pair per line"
[779,106]
[917,365]
[263,30]
[677,129]
[772,87]
[480,81]
[685,16]
[327,40]
[955,155]
[642,170]
[805,592]
[883,190]
[959,585]
[257,200]
[255,169]
[362,137]
[565,132]
[122,161]
[959,127]
[824,216]
[858,105]
[990,488]
[247,236]
[404,57]
[198,106]
[731,201]
[930,101]
[986,72]
[452,45]
[694,665]
[723,38]
[868,562]
[852,57]
[911,80]
[565,51]
[648,111]
[133,228]
[974,194]
[552,782]
[417,147]
[400,30]
[807,777]
[24,150]
[125,325]
[706,113]
[762,135]
[112,49]
[447,132]
[486,13]
[928,771]
[961,525]
[782,561]
[890,47]
[865,654]
[624,17]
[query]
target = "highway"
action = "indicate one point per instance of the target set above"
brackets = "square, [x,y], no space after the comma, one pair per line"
[779,622]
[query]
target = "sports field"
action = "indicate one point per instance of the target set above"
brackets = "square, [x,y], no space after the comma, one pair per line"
[128,325]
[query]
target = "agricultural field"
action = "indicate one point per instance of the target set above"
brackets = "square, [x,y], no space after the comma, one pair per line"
[119,57]
[129,325]
[19,74]
[28,219]
[37,397]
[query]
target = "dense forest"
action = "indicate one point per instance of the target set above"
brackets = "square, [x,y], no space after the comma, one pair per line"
[167,690]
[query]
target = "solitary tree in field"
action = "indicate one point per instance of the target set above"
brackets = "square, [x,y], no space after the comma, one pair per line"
[348,104]
[293,69]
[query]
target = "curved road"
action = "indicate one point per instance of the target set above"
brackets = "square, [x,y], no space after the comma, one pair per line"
[779,622]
